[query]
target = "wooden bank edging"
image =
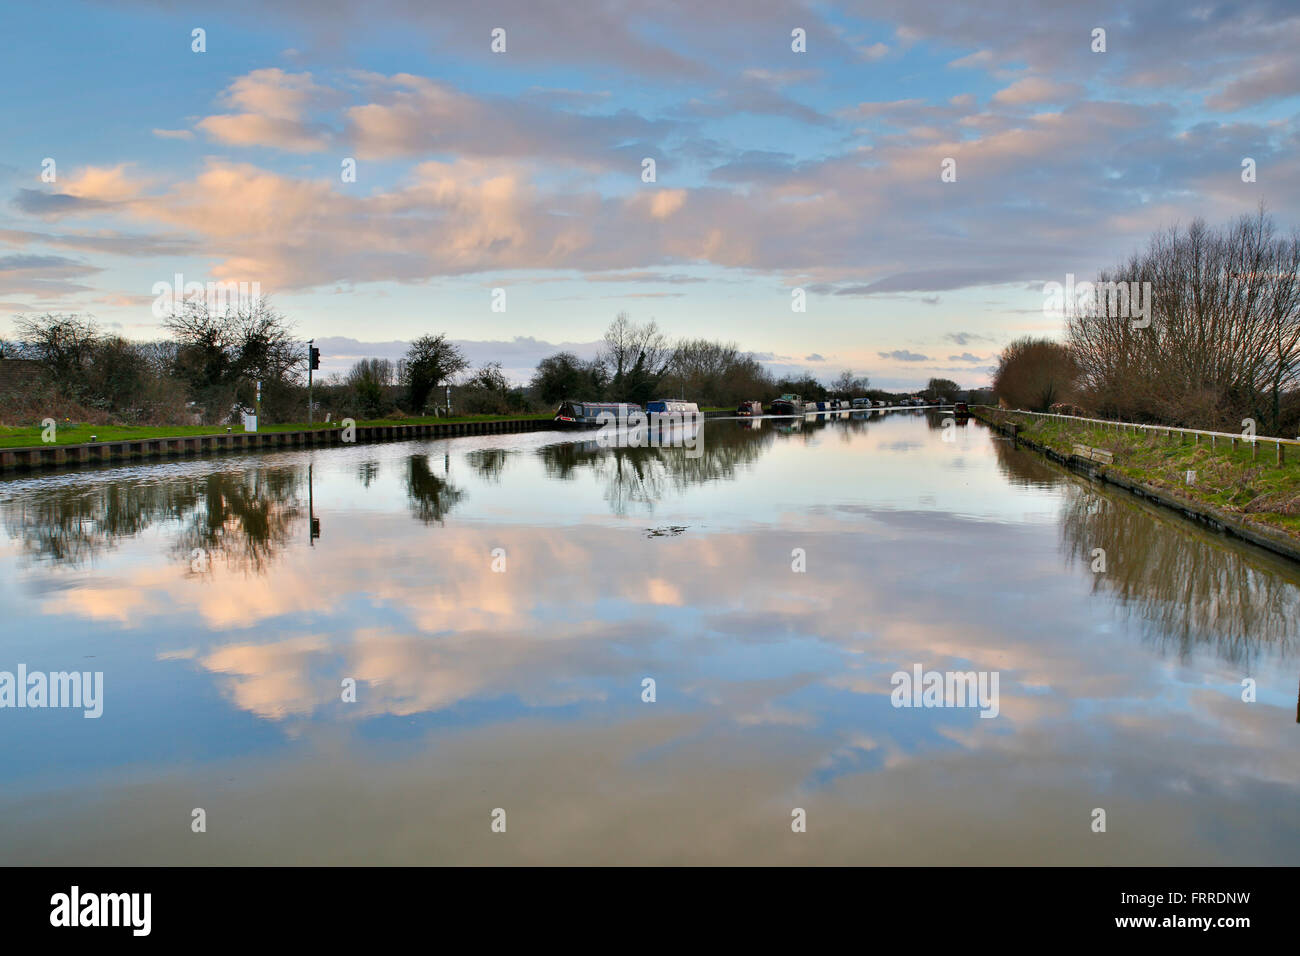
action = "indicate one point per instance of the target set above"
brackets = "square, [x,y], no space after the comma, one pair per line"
[1258,534]
[141,449]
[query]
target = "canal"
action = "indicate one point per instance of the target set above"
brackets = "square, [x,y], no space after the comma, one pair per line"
[392,653]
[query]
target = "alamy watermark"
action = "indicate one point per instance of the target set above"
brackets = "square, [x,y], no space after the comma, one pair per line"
[75,908]
[1116,300]
[633,428]
[921,688]
[73,689]
[218,297]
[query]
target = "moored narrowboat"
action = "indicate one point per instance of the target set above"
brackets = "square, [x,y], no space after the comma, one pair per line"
[587,414]
[787,404]
[750,409]
[672,406]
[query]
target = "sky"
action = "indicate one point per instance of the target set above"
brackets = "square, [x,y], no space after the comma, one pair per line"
[130,157]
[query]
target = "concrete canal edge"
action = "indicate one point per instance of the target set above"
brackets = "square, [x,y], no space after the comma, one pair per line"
[33,457]
[1252,531]
[143,449]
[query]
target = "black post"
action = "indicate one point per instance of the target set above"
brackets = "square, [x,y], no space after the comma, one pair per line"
[313,362]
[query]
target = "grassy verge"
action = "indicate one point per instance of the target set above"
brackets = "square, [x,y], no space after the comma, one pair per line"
[72,433]
[1250,486]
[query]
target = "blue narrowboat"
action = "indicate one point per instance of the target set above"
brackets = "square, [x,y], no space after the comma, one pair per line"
[587,414]
[672,406]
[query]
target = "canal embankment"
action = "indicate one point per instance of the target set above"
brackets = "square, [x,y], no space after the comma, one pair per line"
[1248,489]
[160,445]
[154,447]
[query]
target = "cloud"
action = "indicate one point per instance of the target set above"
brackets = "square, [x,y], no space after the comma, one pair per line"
[249,129]
[965,338]
[43,276]
[408,116]
[903,355]
[773,215]
[814,357]
[93,189]
[666,202]
[1272,76]
[978,59]
[106,241]
[273,107]
[173,134]
[478,181]
[37,202]
[1035,89]
[780,77]
[642,277]
[926,280]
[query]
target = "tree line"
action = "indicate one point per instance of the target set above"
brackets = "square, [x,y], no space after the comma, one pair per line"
[209,368]
[1221,343]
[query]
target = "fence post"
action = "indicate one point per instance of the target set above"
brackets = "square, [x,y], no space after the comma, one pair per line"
[1280,456]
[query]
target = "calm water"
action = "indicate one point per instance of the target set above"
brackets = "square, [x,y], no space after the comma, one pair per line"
[225,631]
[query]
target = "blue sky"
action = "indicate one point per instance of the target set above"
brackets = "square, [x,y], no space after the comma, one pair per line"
[521,170]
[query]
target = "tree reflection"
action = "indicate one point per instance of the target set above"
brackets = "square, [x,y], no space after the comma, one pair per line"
[637,478]
[488,463]
[1023,466]
[245,517]
[640,477]
[430,496]
[70,525]
[1189,586]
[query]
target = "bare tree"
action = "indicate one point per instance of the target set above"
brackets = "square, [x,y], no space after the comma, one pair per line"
[221,354]
[848,384]
[431,360]
[1224,335]
[942,389]
[63,344]
[379,371]
[1034,374]
[638,358]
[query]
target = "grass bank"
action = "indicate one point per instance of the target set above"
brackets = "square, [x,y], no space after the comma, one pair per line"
[74,433]
[1241,482]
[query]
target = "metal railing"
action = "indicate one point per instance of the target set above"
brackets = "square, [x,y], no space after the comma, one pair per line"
[1136,427]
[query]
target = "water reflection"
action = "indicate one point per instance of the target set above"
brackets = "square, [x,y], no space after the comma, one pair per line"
[523,687]
[488,463]
[635,478]
[242,517]
[1185,585]
[1024,468]
[431,497]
